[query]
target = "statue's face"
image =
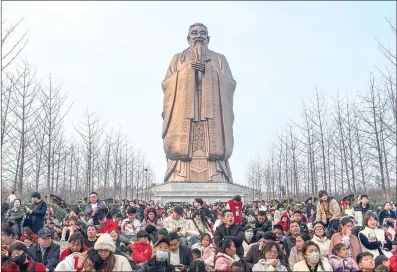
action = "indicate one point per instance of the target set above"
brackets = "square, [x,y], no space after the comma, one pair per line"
[198,34]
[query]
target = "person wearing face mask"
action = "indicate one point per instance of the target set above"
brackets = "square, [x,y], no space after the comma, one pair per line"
[346,237]
[160,258]
[312,260]
[248,241]
[20,261]
[270,261]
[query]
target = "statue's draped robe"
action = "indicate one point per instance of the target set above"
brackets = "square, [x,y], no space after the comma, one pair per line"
[198,119]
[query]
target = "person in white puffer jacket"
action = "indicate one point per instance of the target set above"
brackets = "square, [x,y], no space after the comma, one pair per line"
[321,239]
[270,261]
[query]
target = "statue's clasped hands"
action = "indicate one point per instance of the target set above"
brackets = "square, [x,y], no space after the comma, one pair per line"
[198,65]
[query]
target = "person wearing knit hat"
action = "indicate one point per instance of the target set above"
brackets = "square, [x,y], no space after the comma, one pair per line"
[106,248]
[321,239]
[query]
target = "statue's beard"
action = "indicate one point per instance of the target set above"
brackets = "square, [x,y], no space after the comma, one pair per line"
[198,49]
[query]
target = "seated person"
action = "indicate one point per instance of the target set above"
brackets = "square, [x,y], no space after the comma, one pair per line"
[130,226]
[141,249]
[197,265]
[365,261]
[76,244]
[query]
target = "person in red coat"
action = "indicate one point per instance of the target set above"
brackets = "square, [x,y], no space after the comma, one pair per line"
[236,206]
[141,249]
[19,260]
[27,232]
[105,224]
[76,244]
[393,263]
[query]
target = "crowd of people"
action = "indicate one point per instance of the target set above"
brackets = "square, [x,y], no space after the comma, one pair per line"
[322,235]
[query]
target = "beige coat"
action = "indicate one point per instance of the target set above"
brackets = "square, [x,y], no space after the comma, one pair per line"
[295,256]
[302,267]
[334,209]
[169,224]
[191,229]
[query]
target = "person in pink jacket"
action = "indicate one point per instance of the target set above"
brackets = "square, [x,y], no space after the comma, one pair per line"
[339,260]
[208,251]
[225,259]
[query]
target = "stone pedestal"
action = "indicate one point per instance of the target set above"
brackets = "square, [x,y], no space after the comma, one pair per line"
[210,192]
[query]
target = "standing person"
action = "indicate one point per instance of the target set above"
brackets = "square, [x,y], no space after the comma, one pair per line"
[35,217]
[229,230]
[16,215]
[11,199]
[328,210]
[236,206]
[46,251]
[94,207]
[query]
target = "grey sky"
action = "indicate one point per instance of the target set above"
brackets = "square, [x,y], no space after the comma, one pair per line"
[112,57]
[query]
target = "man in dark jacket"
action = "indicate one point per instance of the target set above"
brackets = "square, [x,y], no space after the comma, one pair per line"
[96,206]
[255,252]
[229,230]
[298,218]
[45,251]
[180,256]
[262,225]
[35,216]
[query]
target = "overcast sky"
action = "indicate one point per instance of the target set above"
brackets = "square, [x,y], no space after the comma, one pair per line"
[112,57]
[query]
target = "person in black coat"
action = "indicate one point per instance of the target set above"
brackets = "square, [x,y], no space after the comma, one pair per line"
[45,251]
[180,256]
[262,225]
[35,216]
[229,230]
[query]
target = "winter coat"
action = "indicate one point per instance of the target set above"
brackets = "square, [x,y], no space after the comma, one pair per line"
[197,229]
[295,257]
[32,267]
[207,254]
[265,227]
[169,224]
[224,262]
[284,225]
[372,240]
[16,215]
[152,266]
[234,233]
[302,267]
[355,248]
[68,264]
[264,265]
[343,265]
[323,243]
[35,220]
[141,252]
[333,208]
[50,258]
[66,252]
[158,224]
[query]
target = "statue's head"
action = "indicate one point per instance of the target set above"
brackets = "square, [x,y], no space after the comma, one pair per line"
[198,34]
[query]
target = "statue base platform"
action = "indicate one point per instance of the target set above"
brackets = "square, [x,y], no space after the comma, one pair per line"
[210,192]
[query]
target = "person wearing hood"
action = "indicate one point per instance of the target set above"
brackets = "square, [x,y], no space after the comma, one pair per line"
[321,239]
[262,225]
[284,222]
[160,258]
[20,261]
[208,251]
[339,260]
[270,260]
[106,248]
[226,258]
[141,249]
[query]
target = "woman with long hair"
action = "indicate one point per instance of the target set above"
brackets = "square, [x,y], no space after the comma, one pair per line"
[106,247]
[151,224]
[27,232]
[313,261]
[270,259]
[208,251]
[346,237]
[372,239]
[328,210]
[197,226]
[225,258]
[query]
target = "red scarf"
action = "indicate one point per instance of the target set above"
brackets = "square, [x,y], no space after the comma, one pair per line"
[237,210]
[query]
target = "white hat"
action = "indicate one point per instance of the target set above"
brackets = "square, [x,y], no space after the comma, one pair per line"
[105,241]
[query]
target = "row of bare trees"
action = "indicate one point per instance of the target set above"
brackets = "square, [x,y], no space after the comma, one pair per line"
[36,154]
[341,145]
